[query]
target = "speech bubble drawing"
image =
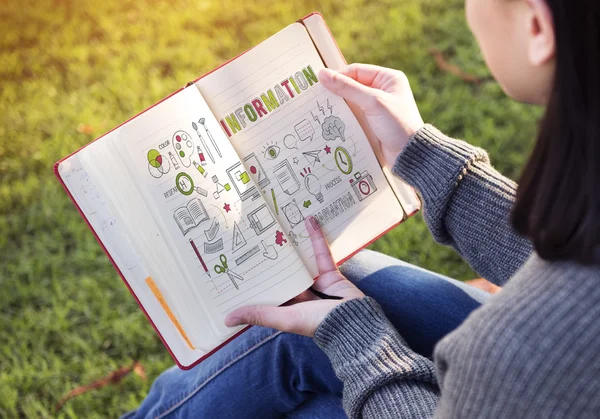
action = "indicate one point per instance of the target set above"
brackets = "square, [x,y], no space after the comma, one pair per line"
[289,141]
[304,130]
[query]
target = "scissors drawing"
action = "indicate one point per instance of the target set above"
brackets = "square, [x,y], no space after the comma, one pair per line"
[223,269]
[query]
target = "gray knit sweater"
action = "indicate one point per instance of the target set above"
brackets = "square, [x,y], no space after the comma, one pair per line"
[531,351]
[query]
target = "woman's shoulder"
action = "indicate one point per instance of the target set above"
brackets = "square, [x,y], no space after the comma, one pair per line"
[539,336]
[543,302]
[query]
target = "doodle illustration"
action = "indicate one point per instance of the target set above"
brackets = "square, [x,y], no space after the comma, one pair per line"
[201,191]
[184,183]
[312,157]
[212,231]
[343,161]
[290,141]
[227,207]
[256,170]
[204,146]
[292,213]
[210,137]
[304,130]
[293,237]
[329,107]
[307,203]
[333,127]
[199,257]
[270,251]
[223,268]
[305,171]
[313,186]
[295,160]
[272,151]
[247,255]
[190,216]
[319,107]
[201,156]
[315,117]
[280,238]
[239,240]
[215,247]
[219,187]
[286,178]
[274,201]
[158,165]
[173,160]
[241,182]
[261,219]
[314,224]
[203,172]
[184,147]
[327,149]
[363,185]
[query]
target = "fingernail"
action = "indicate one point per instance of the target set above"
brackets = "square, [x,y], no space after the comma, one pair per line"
[314,224]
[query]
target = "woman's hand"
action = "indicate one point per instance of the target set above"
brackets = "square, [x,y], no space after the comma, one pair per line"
[303,314]
[385,97]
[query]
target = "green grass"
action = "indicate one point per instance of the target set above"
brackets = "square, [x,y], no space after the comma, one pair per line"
[65,317]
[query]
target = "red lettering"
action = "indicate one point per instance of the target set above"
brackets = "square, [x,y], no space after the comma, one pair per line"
[258,105]
[224,125]
[285,84]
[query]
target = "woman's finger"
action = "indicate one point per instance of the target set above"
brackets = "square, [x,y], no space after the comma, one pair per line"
[323,256]
[258,315]
[367,74]
[286,319]
[347,87]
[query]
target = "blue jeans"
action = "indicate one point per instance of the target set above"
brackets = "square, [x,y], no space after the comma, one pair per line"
[266,373]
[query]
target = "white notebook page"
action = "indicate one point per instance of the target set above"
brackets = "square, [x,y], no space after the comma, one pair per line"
[217,215]
[307,143]
[200,222]
[102,220]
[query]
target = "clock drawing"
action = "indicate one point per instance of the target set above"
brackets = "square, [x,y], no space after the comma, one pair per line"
[343,161]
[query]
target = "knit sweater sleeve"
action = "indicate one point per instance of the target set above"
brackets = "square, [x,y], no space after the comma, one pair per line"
[466,202]
[383,378]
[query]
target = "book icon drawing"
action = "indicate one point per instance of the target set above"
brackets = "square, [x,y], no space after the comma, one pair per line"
[190,215]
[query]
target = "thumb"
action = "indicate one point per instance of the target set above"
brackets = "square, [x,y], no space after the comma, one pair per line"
[347,87]
[274,317]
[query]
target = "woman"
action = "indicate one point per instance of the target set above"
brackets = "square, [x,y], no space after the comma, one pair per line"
[533,350]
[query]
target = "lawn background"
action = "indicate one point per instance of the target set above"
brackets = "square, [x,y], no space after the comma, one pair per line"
[71,70]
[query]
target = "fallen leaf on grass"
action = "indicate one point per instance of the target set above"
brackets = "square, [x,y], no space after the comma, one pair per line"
[85,129]
[112,378]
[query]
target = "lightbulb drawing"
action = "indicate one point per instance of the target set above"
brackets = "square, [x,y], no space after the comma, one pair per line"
[313,186]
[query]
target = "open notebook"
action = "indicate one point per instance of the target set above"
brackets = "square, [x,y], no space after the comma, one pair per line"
[199,201]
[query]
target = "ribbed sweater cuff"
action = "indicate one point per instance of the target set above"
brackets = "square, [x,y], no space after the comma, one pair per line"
[351,329]
[434,163]
[357,333]
[368,354]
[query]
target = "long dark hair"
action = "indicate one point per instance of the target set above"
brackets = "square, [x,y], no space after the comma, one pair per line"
[558,199]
